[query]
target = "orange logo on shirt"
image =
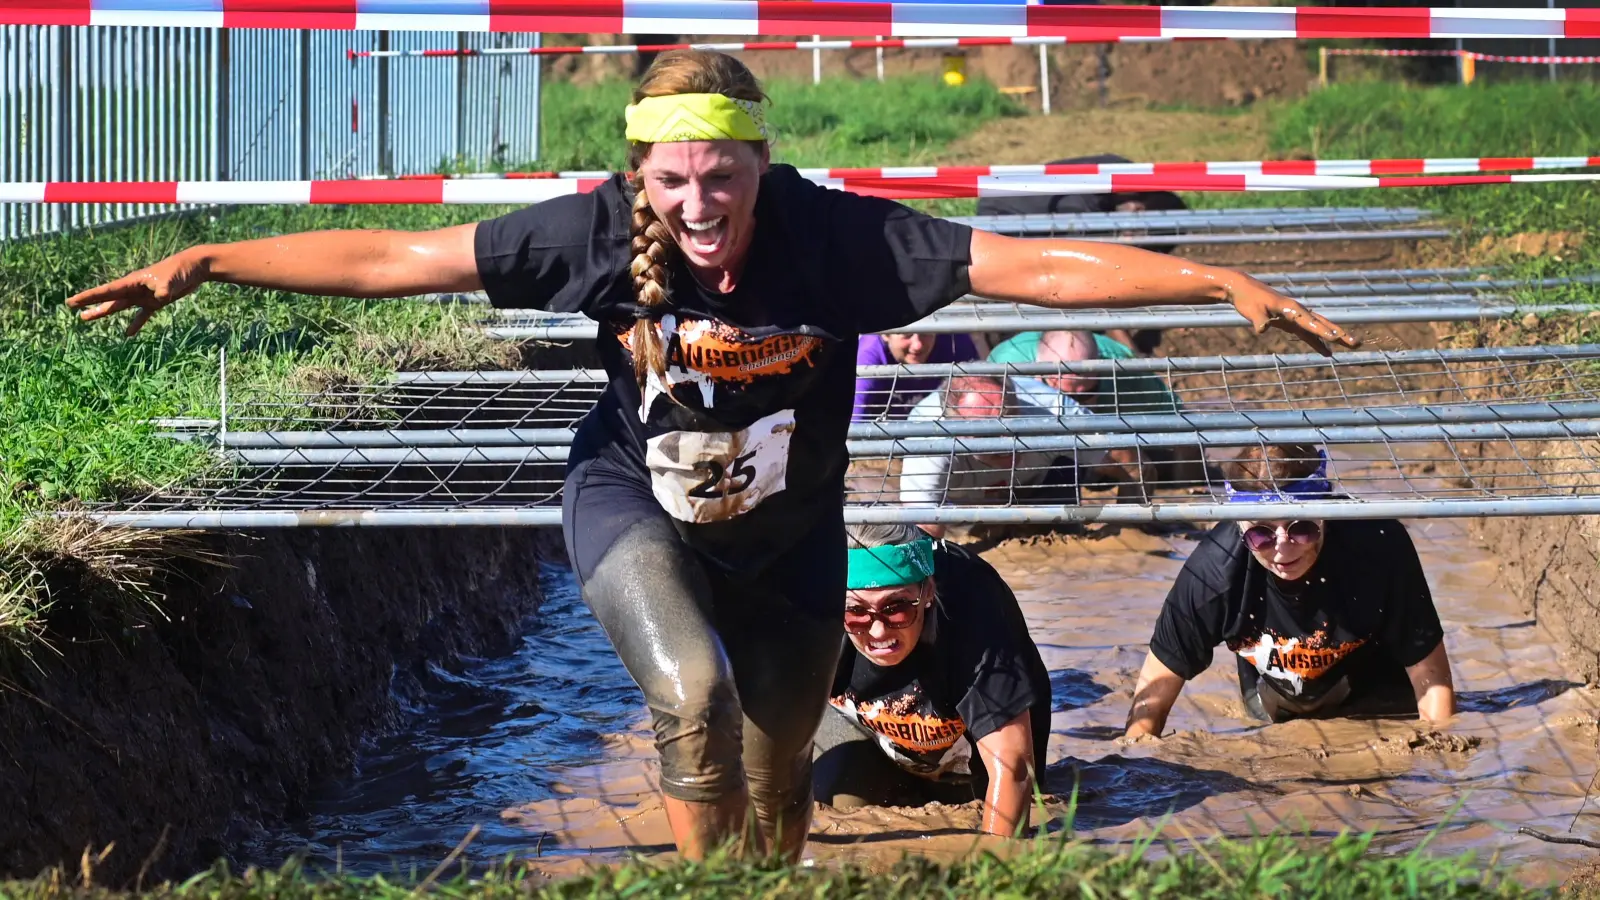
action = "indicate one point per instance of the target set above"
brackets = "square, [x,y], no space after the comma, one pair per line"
[1305,658]
[913,731]
[727,353]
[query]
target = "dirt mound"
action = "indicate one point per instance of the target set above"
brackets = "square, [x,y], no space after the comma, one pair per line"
[263,682]
[1207,74]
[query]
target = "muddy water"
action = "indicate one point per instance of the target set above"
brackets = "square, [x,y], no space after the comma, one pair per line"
[549,752]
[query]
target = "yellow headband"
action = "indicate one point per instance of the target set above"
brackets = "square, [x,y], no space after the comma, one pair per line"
[695,117]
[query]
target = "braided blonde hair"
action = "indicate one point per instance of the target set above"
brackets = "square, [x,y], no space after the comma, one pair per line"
[673,72]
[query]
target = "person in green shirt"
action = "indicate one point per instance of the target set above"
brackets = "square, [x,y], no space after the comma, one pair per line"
[1135,472]
[1123,393]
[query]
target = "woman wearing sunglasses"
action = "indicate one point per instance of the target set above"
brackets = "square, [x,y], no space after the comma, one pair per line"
[944,697]
[1324,618]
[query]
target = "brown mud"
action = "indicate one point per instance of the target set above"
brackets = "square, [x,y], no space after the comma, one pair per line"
[1521,752]
[177,739]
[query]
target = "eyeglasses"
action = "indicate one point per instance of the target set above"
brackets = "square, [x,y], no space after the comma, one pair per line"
[1263,537]
[895,614]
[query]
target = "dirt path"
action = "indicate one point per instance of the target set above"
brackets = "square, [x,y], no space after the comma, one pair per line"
[1138,134]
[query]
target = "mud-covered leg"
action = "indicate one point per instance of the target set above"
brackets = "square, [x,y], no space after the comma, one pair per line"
[650,594]
[783,662]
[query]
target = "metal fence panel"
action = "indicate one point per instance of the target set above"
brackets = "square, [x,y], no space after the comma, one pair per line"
[179,104]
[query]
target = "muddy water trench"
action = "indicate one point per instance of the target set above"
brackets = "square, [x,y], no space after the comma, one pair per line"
[548,750]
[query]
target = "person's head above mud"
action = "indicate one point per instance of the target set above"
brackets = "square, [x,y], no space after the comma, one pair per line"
[939,673]
[892,397]
[1070,346]
[1324,617]
[703,506]
[975,397]
[1283,473]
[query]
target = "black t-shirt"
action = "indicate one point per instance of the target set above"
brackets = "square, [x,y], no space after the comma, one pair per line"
[974,669]
[1363,612]
[765,374]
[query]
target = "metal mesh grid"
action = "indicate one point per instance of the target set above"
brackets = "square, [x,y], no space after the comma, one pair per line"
[1198,222]
[535,325]
[1415,433]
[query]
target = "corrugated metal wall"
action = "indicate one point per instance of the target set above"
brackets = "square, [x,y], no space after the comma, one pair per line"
[164,104]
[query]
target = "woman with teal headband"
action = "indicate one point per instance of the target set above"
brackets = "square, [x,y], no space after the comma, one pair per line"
[940,694]
[704,501]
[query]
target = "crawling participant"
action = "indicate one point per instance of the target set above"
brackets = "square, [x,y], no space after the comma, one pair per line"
[1325,618]
[943,696]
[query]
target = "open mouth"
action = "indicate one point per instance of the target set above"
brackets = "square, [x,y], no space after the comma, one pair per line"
[885,647]
[707,237]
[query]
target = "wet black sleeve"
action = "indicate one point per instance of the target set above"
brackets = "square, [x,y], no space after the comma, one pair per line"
[886,265]
[1411,626]
[1194,618]
[563,255]
[991,649]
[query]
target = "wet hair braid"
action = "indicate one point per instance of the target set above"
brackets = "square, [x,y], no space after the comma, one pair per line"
[652,244]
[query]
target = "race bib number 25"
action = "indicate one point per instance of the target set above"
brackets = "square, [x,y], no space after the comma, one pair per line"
[710,476]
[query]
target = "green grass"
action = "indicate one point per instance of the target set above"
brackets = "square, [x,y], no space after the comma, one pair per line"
[1388,120]
[905,121]
[1342,867]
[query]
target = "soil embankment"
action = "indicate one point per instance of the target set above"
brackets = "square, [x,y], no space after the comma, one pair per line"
[1207,74]
[263,681]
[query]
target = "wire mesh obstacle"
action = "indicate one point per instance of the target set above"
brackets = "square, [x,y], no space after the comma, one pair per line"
[1500,431]
[523,325]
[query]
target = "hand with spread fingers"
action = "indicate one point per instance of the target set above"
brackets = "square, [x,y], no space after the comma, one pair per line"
[146,290]
[1266,308]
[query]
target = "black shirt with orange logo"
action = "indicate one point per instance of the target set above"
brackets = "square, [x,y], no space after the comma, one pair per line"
[1362,614]
[751,457]
[974,669]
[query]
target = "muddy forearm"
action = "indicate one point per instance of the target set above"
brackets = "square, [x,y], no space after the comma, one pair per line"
[1005,804]
[1064,274]
[370,263]
[1434,687]
[1153,698]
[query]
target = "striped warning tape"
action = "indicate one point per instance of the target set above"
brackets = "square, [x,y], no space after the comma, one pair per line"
[1008,18]
[1441,166]
[1468,54]
[479,191]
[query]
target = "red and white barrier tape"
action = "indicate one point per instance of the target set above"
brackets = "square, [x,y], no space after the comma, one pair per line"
[480,191]
[1469,54]
[1441,166]
[824,17]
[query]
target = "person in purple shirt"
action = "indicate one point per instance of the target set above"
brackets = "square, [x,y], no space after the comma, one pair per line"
[892,399]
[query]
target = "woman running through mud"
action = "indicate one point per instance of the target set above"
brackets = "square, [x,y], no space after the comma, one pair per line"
[941,694]
[704,500]
[1325,618]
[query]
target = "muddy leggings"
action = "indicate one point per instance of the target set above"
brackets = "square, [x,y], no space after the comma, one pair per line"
[735,674]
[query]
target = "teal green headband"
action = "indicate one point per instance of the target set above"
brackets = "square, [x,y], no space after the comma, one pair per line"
[891,565]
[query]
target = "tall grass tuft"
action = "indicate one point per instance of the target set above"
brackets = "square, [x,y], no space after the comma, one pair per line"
[1274,866]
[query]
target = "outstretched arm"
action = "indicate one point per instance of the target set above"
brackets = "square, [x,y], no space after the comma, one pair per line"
[1007,753]
[1153,697]
[1063,274]
[1436,692]
[329,263]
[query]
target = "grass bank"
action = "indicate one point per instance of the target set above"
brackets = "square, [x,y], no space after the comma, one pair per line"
[79,401]
[1216,868]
